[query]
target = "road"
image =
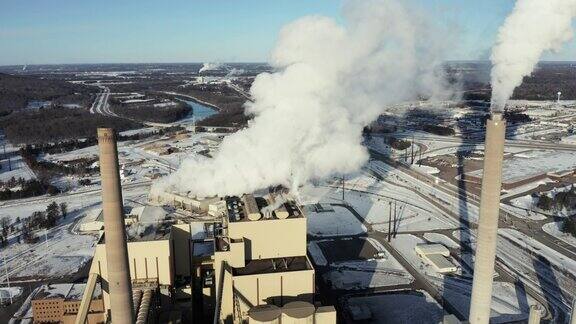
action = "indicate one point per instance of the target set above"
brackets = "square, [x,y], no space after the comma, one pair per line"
[100,105]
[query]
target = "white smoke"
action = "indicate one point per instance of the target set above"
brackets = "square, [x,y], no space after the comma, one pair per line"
[534,27]
[210,67]
[331,81]
[234,72]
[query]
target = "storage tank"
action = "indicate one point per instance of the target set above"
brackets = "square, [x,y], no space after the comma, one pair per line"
[264,314]
[298,312]
[281,213]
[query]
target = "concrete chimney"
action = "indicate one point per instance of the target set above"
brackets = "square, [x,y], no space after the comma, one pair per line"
[488,222]
[119,284]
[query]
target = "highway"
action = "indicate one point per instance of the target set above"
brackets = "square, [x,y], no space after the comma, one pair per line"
[100,105]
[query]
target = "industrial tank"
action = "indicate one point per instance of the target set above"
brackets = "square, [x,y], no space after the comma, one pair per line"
[298,312]
[264,314]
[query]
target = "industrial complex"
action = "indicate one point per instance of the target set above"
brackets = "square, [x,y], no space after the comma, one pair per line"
[234,259]
[225,260]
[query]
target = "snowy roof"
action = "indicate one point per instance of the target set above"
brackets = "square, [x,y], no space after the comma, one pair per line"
[441,263]
[429,249]
[66,291]
[152,214]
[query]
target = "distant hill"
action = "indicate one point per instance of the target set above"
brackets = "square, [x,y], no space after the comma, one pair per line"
[16,92]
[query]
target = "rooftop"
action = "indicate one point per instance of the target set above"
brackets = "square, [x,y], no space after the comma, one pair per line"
[273,265]
[67,291]
[247,208]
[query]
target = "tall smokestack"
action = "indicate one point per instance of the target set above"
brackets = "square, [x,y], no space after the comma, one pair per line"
[119,284]
[488,222]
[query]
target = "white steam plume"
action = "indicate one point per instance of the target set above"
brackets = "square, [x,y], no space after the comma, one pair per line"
[331,81]
[534,27]
[210,67]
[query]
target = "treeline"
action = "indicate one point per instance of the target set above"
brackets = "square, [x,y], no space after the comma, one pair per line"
[28,188]
[218,95]
[148,112]
[56,124]
[543,84]
[42,219]
[562,200]
[230,118]
[398,144]
[439,130]
[17,91]
[76,144]
[47,169]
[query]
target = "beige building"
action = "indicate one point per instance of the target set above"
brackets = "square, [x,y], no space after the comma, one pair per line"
[231,261]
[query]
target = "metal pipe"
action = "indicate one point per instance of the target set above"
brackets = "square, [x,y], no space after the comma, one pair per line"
[119,284]
[488,221]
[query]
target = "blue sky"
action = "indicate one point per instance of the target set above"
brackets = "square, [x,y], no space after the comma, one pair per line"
[72,31]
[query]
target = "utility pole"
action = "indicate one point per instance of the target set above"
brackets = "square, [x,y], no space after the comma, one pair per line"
[389,220]
[420,156]
[412,153]
[7,277]
[394,227]
[343,182]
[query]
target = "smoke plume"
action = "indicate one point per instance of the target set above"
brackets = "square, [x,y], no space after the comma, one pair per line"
[210,67]
[330,81]
[534,27]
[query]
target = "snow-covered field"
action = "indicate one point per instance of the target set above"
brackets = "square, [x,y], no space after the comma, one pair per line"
[362,274]
[375,201]
[554,229]
[532,163]
[340,222]
[19,169]
[59,251]
[402,307]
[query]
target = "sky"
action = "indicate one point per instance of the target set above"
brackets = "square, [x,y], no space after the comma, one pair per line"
[128,31]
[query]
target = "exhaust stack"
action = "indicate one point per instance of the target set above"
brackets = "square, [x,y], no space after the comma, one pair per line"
[119,284]
[488,222]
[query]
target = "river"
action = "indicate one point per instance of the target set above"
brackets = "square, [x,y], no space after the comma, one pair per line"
[199,111]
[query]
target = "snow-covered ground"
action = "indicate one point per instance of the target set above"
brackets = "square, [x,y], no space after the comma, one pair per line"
[441,239]
[59,251]
[12,292]
[532,163]
[402,307]
[375,201]
[554,229]
[340,222]
[362,274]
[19,169]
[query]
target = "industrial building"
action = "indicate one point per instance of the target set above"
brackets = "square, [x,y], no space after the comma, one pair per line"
[438,256]
[217,259]
[59,303]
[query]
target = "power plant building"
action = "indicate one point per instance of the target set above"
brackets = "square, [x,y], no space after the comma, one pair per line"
[216,259]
